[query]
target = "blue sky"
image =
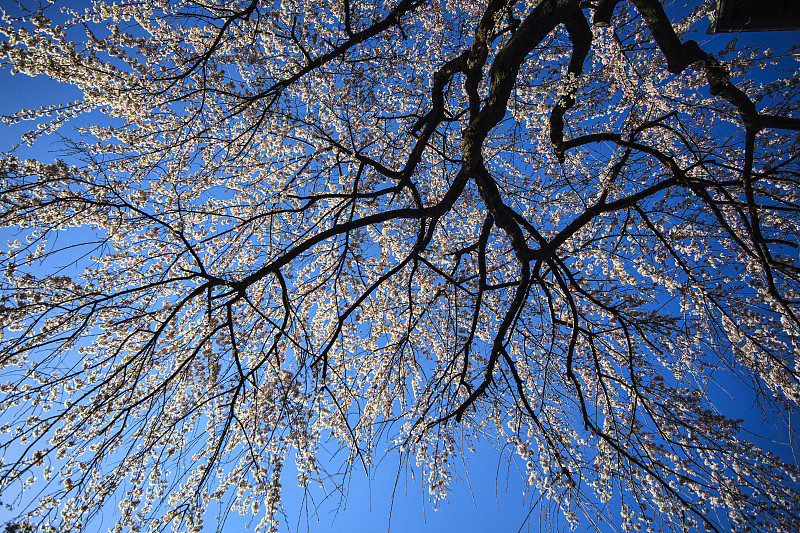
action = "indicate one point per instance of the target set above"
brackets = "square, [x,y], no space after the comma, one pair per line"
[489,496]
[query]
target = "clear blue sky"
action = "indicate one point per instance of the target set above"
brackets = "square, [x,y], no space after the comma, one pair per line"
[490,497]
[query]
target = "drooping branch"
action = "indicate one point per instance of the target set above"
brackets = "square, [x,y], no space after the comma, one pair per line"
[581,37]
[680,55]
[330,232]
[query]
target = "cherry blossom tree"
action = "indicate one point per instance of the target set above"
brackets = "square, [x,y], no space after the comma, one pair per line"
[311,232]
